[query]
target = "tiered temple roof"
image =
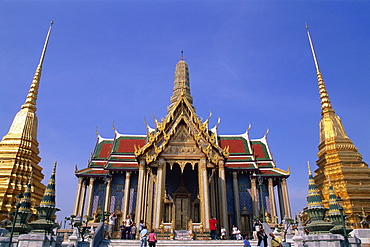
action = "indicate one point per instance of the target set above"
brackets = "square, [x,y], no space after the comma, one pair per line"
[118,154]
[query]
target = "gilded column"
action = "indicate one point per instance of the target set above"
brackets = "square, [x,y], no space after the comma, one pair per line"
[140,189]
[144,206]
[222,193]
[272,201]
[82,199]
[206,195]
[236,199]
[201,193]
[78,196]
[254,197]
[286,198]
[89,197]
[281,201]
[150,193]
[107,196]
[161,177]
[126,194]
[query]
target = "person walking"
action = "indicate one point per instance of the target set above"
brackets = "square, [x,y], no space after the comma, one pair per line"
[152,238]
[143,237]
[213,227]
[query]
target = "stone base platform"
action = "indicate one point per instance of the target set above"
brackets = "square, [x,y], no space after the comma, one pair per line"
[178,243]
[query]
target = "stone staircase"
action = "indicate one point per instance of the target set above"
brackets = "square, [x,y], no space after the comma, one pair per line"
[177,243]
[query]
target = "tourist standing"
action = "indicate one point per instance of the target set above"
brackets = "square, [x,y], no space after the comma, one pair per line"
[275,241]
[223,233]
[246,242]
[133,231]
[141,224]
[255,229]
[122,229]
[152,238]
[143,236]
[262,238]
[111,222]
[213,227]
[128,224]
[235,232]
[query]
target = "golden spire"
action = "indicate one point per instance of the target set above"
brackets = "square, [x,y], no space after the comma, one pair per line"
[32,94]
[309,168]
[324,96]
[181,87]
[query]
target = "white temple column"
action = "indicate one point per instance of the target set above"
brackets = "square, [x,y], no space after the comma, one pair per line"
[236,199]
[161,178]
[140,190]
[201,194]
[272,201]
[150,202]
[204,193]
[107,196]
[284,188]
[255,198]
[222,194]
[89,197]
[78,197]
[126,194]
[82,198]
[144,200]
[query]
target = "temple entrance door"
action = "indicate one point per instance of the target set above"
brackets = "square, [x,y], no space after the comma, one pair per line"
[182,210]
[182,214]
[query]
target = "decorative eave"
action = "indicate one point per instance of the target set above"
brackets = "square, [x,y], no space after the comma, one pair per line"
[91,172]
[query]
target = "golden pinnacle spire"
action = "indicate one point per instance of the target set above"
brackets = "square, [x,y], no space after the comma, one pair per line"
[32,94]
[339,163]
[324,96]
[309,168]
[181,86]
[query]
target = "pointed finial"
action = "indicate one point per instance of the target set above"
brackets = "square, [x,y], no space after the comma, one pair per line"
[267,132]
[33,92]
[312,48]
[46,44]
[114,128]
[182,55]
[309,168]
[324,96]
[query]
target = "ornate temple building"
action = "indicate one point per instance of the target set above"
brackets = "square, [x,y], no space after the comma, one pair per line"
[19,152]
[181,173]
[339,160]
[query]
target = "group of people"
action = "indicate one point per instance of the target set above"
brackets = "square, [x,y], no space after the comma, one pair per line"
[129,230]
[260,234]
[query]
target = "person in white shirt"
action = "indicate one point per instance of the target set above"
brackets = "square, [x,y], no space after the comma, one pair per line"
[111,222]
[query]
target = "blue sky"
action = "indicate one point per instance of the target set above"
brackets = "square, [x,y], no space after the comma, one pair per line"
[249,61]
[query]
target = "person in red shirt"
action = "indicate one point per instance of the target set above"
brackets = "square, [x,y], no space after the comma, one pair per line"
[213,227]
